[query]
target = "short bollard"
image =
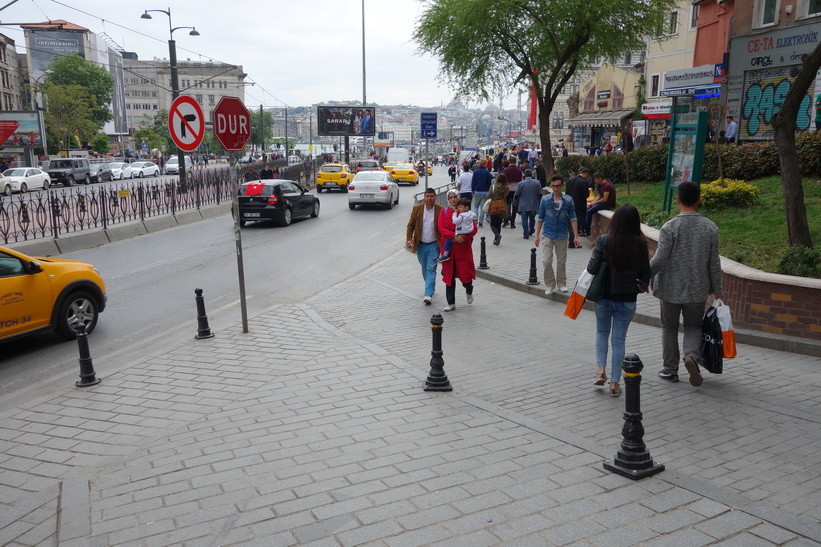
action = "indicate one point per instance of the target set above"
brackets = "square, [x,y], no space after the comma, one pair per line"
[87,375]
[633,459]
[203,330]
[483,256]
[533,279]
[437,379]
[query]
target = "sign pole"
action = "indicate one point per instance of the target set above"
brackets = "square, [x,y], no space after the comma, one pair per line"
[238,241]
[424,165]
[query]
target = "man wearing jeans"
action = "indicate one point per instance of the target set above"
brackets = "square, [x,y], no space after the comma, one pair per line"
[687,269]
[422,237]
[606,200]
[482,180]
[554,222]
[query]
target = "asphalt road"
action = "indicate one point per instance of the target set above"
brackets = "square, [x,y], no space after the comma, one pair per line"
[150,282]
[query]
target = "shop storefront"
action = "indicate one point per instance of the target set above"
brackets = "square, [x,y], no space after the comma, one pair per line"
[656,117]
[697,89]
[762,68]
[594,130]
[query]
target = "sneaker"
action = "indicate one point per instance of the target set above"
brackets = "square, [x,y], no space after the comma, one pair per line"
[692,368]
[563,288]
[427,300]
[497,240]
[470,299]
[525,237]
[443,258]
[548,292]
[669,376]
[480,225]
[450,307]
[512,226]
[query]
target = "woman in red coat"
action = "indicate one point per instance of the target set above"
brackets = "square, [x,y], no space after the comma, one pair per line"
[461,263]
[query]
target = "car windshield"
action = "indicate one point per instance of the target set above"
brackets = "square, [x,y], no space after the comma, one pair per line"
[14,173]
[114,165]
[173,160]
[370,176]
[404,166]
[331,168]
[59,164]
[367,164]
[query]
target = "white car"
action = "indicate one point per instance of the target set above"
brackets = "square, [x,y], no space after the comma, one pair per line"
[141,169]
[120,170]
[374,188]
[22,179]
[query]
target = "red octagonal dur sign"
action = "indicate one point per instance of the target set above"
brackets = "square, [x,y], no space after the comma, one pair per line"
[232,123]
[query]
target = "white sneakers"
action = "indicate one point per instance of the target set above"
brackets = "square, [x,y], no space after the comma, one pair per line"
[427,300]
[563,288]
[470,299]
[450,307]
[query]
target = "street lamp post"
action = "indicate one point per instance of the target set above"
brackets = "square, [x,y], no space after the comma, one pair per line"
[175,83]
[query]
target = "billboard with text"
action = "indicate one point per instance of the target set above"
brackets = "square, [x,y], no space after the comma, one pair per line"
[341,121]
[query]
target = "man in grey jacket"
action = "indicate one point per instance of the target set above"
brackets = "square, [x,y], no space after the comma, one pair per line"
[687,269]
[528,195]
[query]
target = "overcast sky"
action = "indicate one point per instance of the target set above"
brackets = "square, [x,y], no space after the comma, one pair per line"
[298,52]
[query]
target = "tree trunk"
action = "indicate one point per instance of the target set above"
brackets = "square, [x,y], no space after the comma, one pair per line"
[798,230]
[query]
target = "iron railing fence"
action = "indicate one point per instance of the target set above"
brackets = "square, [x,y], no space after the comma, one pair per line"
[24,217]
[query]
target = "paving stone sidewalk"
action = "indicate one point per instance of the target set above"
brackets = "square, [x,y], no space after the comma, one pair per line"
[313,429]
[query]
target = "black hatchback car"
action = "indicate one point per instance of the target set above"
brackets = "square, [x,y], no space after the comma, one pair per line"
[278,200]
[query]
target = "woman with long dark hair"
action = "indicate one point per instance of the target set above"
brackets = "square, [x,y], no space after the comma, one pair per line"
[625,251]
[498,191]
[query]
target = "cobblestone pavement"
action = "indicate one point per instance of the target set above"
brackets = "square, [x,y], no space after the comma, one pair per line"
[313,429]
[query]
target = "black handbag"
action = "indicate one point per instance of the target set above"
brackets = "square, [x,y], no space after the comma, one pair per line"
[596,290]
[712,342]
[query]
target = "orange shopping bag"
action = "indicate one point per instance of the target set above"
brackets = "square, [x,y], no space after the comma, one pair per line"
[727,333]
[576,300]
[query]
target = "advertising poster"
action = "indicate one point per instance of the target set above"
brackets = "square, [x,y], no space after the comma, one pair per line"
[684,157]
[21,129]
[43,45]
[341,121]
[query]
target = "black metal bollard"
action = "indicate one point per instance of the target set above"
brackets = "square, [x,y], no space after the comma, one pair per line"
[203,330]
[87,375]
[437,379]
[483,256]
[533,279]
[633,459]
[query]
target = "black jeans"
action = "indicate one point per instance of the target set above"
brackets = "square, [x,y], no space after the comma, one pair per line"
[450,290]
[496,225]
[512,209]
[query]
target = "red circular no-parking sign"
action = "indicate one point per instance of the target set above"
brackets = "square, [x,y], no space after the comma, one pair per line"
[232,123]
[186,123]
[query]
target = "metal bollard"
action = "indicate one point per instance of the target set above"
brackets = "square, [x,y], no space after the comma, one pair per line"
[203,330]
[483,256]
[437,379]
[533,279]
[87,375]
[633,459]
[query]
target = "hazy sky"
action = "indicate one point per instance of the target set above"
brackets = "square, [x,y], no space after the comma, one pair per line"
[298,53]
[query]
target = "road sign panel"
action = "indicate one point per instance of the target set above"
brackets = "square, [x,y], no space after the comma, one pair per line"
[186,123]
[428,125]
[232,123]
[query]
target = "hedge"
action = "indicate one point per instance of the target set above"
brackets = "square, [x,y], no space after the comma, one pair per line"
[745,162]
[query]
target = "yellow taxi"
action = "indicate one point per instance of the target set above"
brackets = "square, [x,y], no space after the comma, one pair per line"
[388,165]
[404,172]
[334,175]
[40,293]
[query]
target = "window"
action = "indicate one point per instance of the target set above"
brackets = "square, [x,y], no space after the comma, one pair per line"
[672,23]
[558,120]
[618,98]
[199,98]
[590,100]
[694,13]
[813,7]
[765,12]
[211,100]
[654,85]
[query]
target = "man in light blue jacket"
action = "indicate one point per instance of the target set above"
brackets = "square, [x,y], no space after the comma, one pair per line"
[687,269]
[528,195]
[555,222]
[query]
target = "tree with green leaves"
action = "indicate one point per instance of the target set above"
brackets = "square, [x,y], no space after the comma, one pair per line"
[68,115]
[262,126]
[66,70]
[150,137]
[487,49]
[101,144]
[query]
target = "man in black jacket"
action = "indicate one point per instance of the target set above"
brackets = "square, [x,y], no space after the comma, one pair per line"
[541,176]
[579,188]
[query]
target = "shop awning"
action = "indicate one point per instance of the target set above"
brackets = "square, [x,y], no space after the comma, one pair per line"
[602,118]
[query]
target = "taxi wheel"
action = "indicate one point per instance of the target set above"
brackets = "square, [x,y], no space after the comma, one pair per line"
[78,308]
[318,189]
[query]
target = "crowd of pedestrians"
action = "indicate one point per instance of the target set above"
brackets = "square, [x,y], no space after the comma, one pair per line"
[684,273]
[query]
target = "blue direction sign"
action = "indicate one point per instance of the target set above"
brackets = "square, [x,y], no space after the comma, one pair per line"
[428,125]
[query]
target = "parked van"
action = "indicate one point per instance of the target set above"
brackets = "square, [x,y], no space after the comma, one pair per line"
[398,155]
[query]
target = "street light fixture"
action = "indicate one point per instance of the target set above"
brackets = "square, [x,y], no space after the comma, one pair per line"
[175,83]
